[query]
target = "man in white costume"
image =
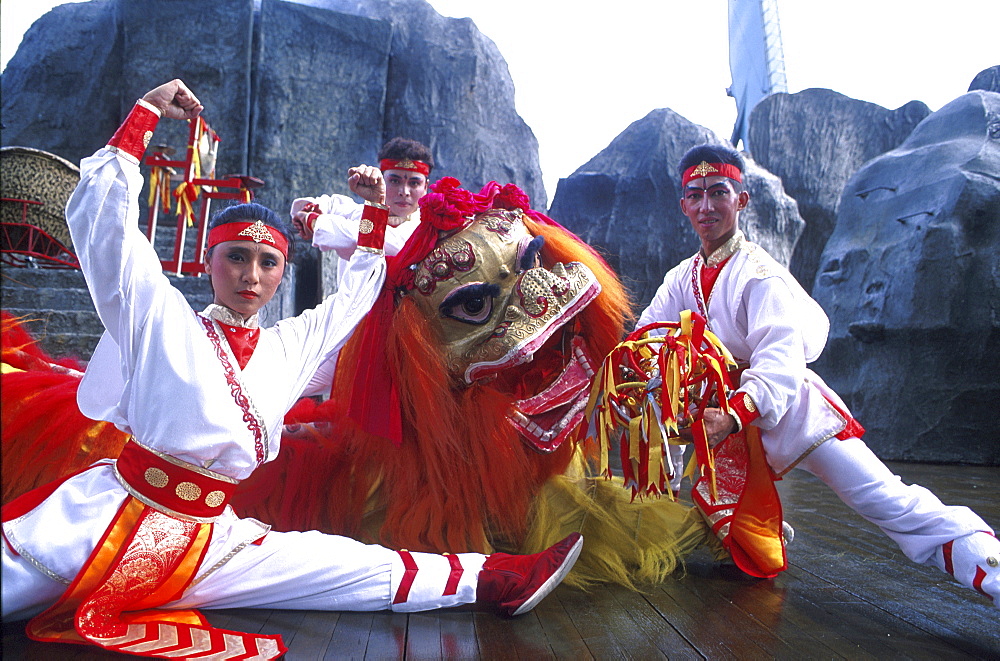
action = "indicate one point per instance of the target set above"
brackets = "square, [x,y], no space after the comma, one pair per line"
[774,329]
[331,222]
[101,552]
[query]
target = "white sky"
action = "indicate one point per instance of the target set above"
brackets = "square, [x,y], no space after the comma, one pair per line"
[584,71]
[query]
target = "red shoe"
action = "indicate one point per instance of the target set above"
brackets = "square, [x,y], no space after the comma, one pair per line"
[514,584]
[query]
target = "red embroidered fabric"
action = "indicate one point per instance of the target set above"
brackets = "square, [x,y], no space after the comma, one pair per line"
[133,136]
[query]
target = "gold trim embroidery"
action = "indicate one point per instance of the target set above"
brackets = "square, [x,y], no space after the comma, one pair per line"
[715,517]
[818,443]
[258,232]
[236,549]
[32,560]
[158,506]
[188,491]
[726,250]
[124,154]
[704,168]
[183,464]
[226,316]
[237,372]
[155,477]
[215,498]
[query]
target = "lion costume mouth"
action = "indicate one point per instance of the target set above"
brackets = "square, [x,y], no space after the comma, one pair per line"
[545,420]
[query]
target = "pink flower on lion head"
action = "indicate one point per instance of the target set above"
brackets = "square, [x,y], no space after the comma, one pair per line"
[448,206]
[511,197]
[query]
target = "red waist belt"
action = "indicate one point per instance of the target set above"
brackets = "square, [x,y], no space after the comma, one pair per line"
[173,486]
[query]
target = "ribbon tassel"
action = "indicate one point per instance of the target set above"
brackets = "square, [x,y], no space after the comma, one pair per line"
[660,376]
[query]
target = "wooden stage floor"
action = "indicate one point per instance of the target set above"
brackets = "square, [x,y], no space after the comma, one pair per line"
[848,594]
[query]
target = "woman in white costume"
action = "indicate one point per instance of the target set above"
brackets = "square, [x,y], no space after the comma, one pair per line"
[119,554]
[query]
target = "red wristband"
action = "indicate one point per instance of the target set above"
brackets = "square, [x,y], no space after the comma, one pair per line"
[133,136]
[742,406]
[371,234]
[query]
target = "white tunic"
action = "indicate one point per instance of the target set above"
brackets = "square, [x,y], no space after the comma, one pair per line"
[764,317]
[156,375]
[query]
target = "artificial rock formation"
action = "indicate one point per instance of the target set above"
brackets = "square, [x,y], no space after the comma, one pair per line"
[447,85]
[626,202]
[911,282]
[814,141]
[987,80]
[297,93]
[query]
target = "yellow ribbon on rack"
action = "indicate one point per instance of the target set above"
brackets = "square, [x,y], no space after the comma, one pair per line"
[159,188]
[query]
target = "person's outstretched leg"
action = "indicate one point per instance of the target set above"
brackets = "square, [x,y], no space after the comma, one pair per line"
[911,515]
[973,560]
[310,570]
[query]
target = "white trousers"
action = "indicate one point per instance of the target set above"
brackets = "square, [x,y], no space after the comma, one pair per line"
[910,515]
[290,570]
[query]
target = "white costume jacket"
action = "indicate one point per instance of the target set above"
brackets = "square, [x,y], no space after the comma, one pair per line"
[157,375]
[767,321]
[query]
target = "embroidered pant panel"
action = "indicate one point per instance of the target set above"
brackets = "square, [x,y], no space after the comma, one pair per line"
[910,515]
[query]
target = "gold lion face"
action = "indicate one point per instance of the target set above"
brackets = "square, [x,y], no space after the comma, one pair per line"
[493,300]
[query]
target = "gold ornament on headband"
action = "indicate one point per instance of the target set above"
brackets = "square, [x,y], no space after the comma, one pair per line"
[258,232]
[703,170]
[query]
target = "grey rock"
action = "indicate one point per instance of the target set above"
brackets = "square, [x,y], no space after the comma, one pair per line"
[206,44]
[319,107]
[987,80]
[298,92]
[814,141]
[626,202]
[911,281]
[320,97]
[60,74]
[448,86]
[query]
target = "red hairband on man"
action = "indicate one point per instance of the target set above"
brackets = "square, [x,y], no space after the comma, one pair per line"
[405,164]
[256,231]
[706,169]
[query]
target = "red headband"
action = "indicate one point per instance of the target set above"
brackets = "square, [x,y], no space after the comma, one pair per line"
[256,231]
[706,169]
[405,164]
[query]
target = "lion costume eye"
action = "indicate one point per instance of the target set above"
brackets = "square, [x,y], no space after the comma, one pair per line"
[470,304]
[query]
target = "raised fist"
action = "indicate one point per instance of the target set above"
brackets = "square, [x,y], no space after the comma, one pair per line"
[174,100]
